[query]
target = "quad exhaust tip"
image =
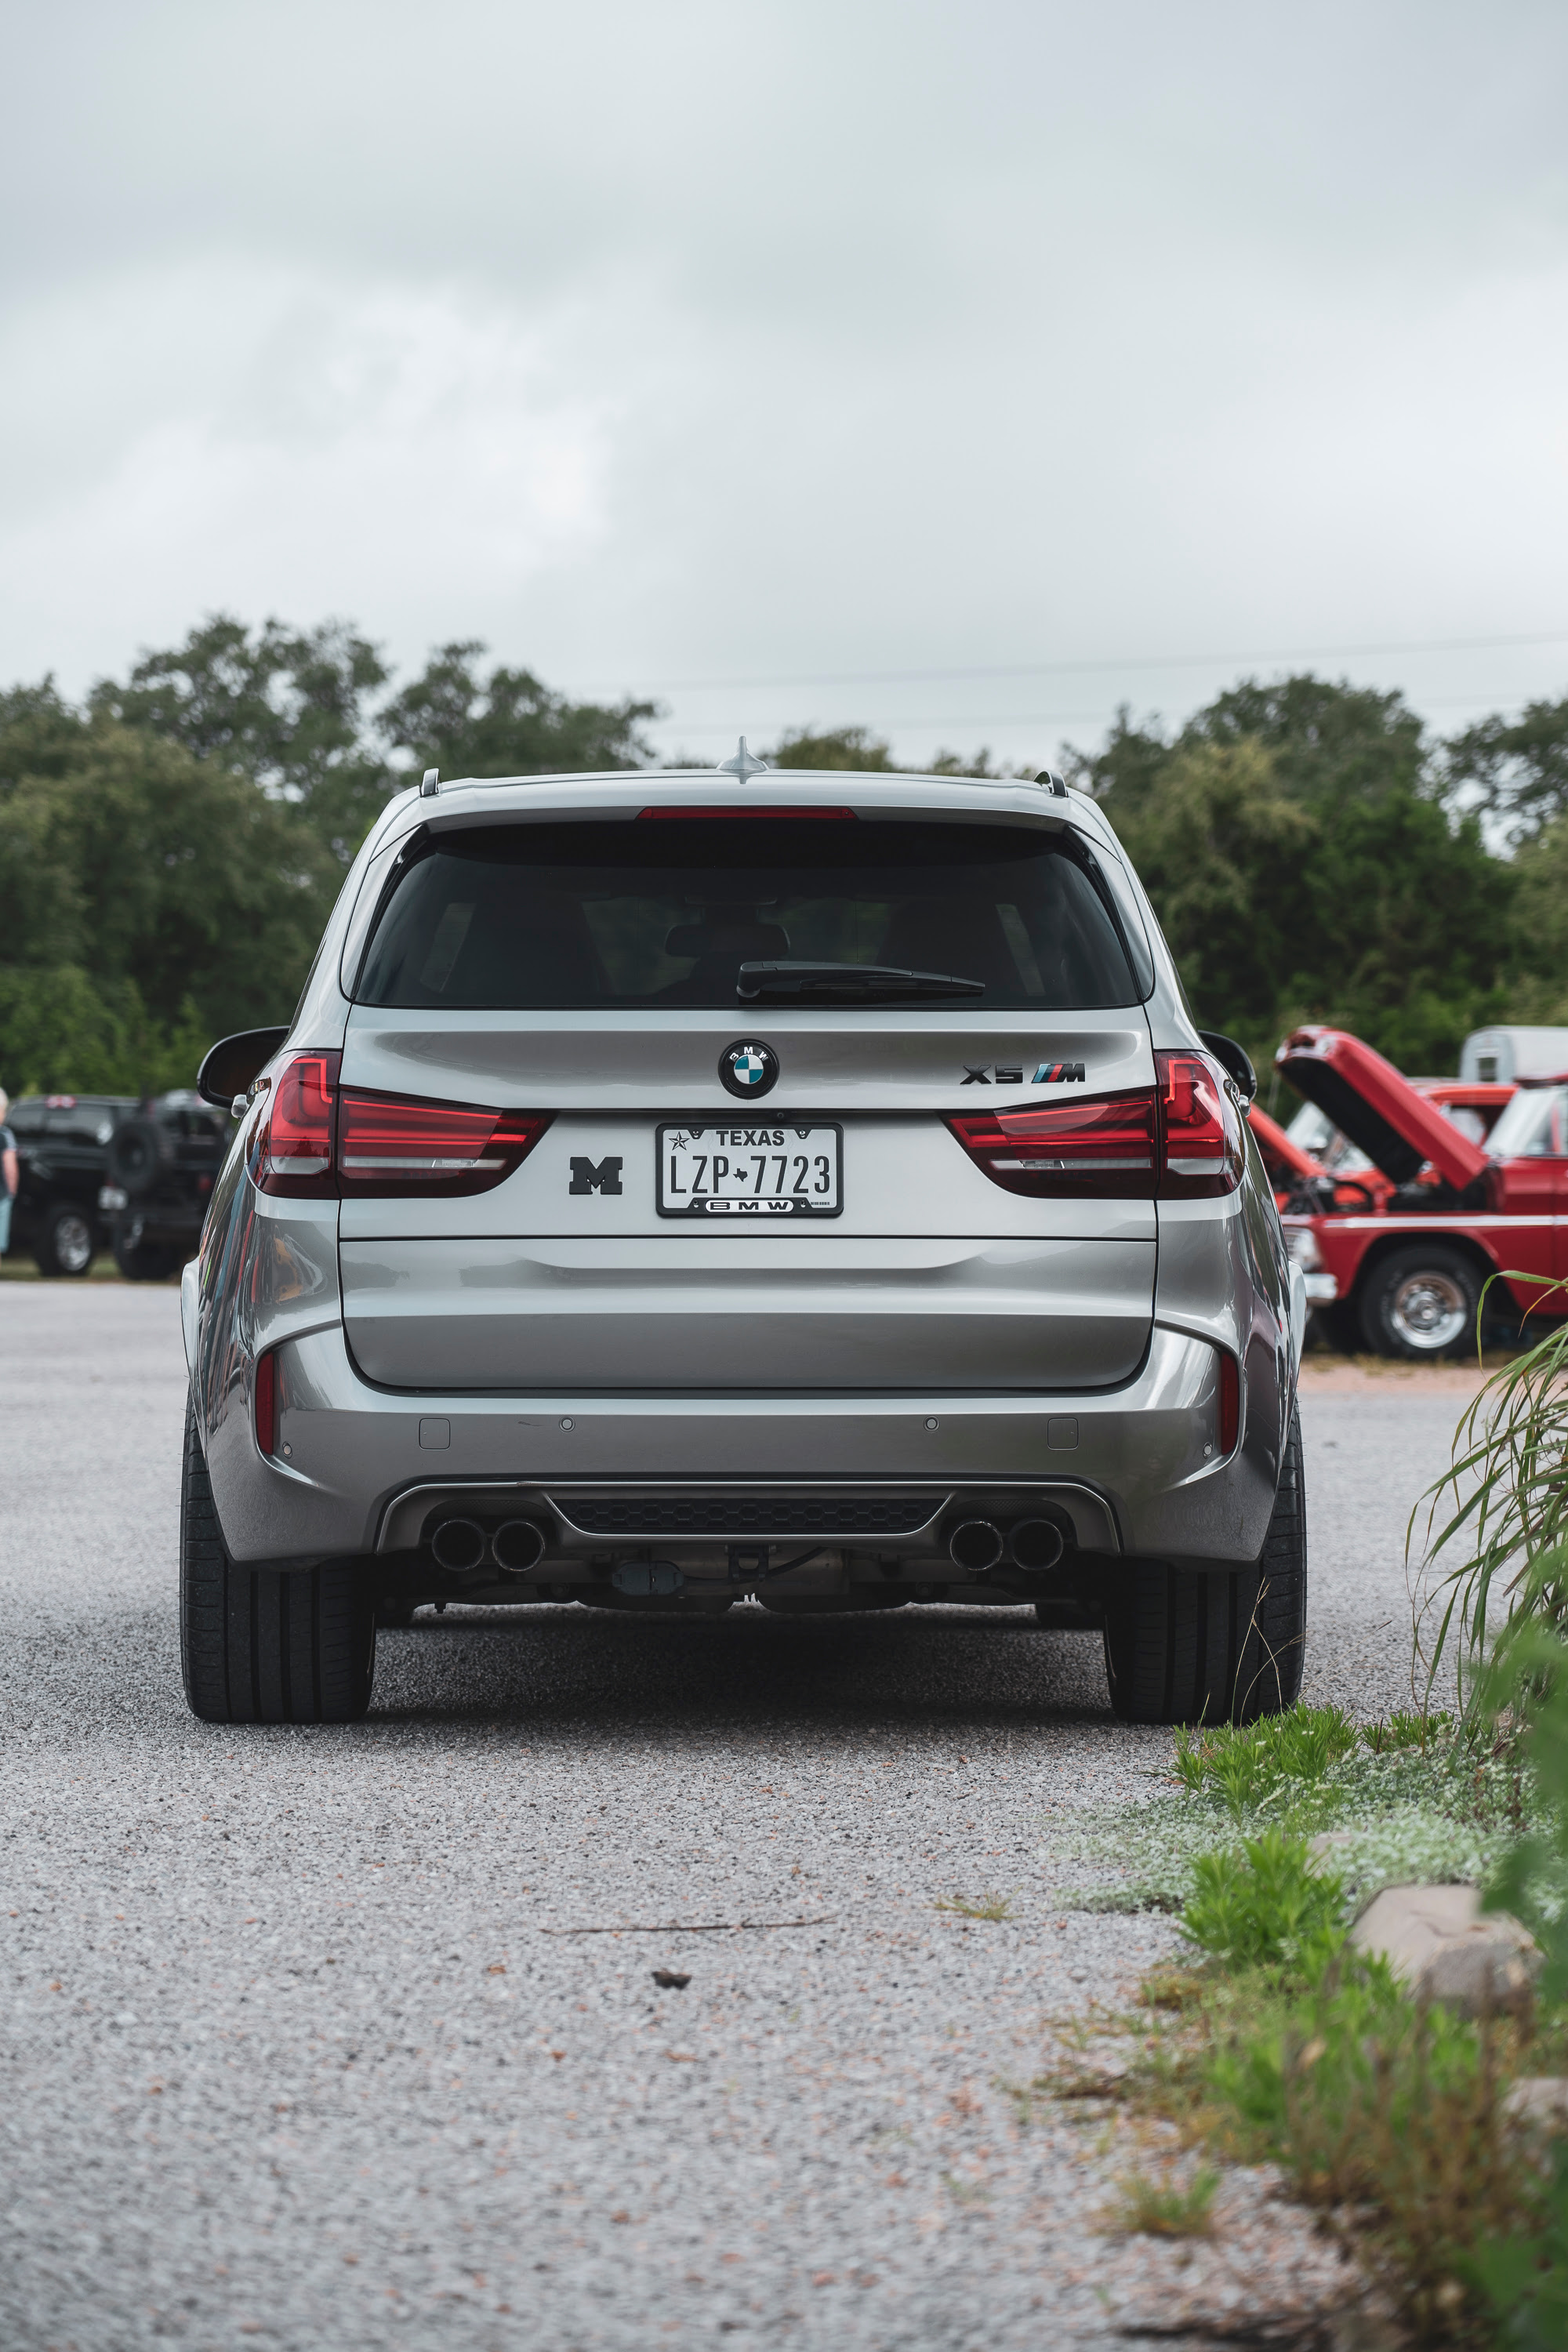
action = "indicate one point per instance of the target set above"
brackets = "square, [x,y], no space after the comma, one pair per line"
[461,1545]
[977,1545]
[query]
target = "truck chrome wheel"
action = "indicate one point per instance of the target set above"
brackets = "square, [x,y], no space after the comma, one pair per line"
[1421,1301]
[1429,1311]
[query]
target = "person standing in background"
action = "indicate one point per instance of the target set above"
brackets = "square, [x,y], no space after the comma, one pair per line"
[10,1176]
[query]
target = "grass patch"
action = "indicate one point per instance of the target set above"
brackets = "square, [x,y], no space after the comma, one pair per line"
[1416,1797]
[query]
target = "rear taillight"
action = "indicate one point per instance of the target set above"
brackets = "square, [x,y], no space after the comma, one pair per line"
[291,1150]
[319,1141]
[1100,1145]
[265,1399]
[392,1144]
[1200,1128]
[1186,1131]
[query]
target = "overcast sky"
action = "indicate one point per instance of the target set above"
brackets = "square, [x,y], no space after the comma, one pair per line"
[797,361]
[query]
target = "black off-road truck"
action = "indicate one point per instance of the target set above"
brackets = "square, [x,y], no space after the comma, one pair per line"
[107,1171]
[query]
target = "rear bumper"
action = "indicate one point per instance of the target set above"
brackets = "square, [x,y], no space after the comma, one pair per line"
[1136,1469]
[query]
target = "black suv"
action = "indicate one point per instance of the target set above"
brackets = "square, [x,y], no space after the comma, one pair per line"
[107,1171]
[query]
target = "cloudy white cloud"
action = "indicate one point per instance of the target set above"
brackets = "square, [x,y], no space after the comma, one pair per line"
[786,341]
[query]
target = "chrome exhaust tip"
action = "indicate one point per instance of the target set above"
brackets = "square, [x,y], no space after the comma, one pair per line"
[459,1544]
[974,1546]
[517,1546]
[1037,1543]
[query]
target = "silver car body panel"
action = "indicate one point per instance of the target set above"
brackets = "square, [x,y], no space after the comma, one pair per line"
[942,1331]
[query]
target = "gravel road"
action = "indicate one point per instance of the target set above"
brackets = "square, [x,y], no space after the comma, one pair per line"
[298,2052]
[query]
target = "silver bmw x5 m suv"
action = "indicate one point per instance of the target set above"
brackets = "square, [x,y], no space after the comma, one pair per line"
[674,1189]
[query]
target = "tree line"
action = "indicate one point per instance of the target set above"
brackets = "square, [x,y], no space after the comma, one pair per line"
[171,847]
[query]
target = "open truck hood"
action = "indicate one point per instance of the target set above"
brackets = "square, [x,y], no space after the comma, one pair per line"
[1382,1114]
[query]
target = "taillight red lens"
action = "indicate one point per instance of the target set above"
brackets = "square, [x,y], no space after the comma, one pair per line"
[1098,1146]
[1109,1147]
[292,1148]
[390,1144]
[319,1141]
[1200,1130]
[265,1395]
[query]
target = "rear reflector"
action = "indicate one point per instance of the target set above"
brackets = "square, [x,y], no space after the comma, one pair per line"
[1186,1131]
[788,815]
[319,1141]
[1229,1401]
[266,1402]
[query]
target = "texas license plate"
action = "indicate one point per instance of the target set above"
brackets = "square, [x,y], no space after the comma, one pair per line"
[748,1170]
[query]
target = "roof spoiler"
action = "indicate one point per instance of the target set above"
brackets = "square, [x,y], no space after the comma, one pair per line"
[1373,1103]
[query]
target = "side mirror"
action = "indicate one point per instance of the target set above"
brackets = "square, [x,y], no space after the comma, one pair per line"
[232,1066]
[1233,1060]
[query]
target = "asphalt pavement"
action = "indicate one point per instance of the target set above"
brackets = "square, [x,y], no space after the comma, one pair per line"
[306,2040]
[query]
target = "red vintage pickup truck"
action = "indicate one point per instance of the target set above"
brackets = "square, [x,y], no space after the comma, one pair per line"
[1396,1257]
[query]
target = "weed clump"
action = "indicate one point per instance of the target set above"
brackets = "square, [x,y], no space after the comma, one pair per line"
[989,1907]
[1266,1904]
[1164,2207]
[1253,1765]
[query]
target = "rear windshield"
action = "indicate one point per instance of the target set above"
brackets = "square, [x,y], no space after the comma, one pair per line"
[640,914]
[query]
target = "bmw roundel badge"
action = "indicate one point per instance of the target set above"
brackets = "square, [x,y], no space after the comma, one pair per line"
[748,1068]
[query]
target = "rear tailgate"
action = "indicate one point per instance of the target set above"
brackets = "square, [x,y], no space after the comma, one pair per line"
[566,1277]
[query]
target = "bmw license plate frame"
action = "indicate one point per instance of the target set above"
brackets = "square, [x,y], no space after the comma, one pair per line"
[682,1188]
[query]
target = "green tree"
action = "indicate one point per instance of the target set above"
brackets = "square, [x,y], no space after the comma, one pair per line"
[509,724]
[1539,932]
[1516,769]
[1409,921]
[1127,768]
[1219,848]
[853,749]
[40,733]
[1379,914]
[1326,740]
[285,707]
[149,898]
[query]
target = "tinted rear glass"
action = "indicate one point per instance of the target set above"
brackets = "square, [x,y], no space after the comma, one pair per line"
[641,914]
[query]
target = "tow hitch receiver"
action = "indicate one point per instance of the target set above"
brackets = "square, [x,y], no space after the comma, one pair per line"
[644,1577]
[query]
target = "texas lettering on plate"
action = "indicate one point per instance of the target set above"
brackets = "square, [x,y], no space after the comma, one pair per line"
[731,1170]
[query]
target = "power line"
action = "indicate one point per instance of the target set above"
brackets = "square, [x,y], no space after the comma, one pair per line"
[1078,668]
[726,726]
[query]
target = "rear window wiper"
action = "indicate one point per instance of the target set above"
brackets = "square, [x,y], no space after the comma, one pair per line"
[845,983]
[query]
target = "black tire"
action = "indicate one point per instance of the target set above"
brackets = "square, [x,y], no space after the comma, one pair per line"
[257,1645]
[1216,1648]
[142,1261]
[1421,1302]
[68,1245]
